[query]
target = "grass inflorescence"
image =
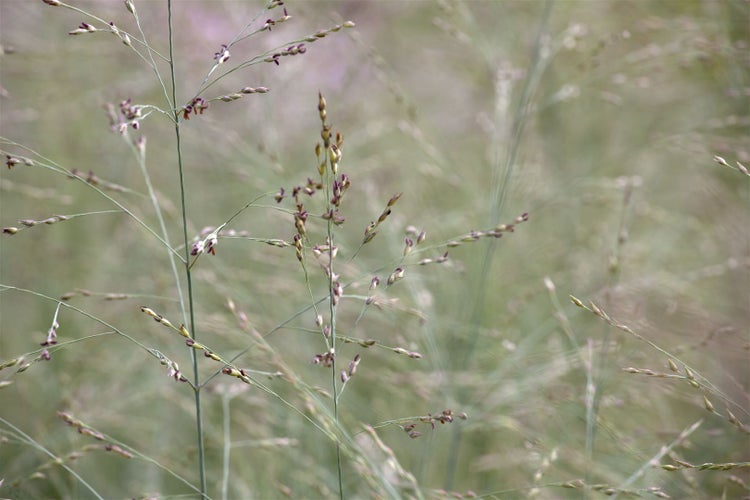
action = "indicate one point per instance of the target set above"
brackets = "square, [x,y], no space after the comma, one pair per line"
[260,251]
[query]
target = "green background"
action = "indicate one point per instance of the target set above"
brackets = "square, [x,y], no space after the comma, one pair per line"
[600,119]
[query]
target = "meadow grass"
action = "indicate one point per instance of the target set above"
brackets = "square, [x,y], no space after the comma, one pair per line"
[374,249]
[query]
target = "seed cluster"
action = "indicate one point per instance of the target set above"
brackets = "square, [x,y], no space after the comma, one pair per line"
[84,429]
[174,370]
[444,417]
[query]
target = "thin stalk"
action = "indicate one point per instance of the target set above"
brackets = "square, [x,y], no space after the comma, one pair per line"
[188,276]
[502,177]
[333,366]
[162,224]
[332,305]
[26,439]
[598,375]
[501,181]
[225,398]
[59,169]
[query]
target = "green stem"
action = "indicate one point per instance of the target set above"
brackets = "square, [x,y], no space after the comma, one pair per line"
[225,398]
[500,182]
[331,178]
[188,276]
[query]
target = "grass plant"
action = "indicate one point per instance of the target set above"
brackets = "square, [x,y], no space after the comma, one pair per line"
[379,249]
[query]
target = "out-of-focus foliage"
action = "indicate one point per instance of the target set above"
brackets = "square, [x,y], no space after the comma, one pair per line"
[601,119]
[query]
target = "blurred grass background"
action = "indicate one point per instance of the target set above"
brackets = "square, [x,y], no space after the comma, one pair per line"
[598,118]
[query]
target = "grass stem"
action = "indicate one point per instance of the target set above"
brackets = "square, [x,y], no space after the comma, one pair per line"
[188,276]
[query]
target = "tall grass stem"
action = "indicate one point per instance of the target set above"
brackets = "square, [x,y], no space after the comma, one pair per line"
[188,276]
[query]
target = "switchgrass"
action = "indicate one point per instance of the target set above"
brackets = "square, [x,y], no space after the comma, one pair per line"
[462,249]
